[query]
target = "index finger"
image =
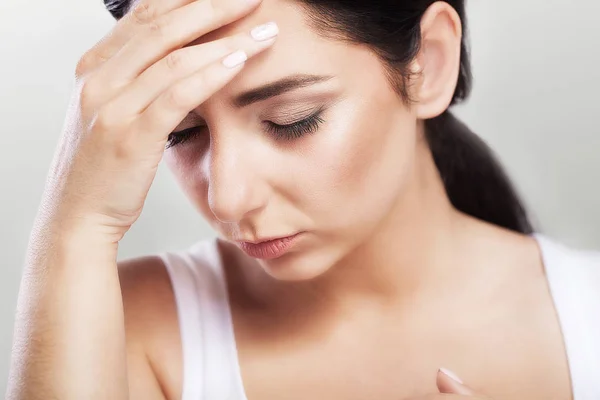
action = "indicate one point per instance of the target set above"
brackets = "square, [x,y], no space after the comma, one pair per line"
[132,16]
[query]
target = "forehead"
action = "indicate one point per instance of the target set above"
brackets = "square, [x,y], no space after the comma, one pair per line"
[297,49]
[287,13]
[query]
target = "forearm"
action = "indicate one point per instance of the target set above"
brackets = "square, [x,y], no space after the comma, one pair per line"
[69,335]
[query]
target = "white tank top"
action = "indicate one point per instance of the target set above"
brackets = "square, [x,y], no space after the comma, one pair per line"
[210,365]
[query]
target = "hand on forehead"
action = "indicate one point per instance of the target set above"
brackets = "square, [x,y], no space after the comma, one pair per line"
[269,10]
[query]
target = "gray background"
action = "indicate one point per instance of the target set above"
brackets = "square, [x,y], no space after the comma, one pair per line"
[535,101]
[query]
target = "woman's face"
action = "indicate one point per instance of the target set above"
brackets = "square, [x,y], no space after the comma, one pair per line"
[334,177]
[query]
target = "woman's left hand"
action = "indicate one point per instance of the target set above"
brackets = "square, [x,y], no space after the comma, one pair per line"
[452,388]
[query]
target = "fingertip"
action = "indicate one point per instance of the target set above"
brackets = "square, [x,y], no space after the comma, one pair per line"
[449,383]
[235,59]
[451,375]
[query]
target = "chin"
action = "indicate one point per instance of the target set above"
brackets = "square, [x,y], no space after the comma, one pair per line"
[299,266]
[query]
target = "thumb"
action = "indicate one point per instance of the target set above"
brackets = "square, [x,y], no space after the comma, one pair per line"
[449,383]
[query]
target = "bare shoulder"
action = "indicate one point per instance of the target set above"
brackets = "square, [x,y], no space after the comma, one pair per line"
[152,329]
[494,242]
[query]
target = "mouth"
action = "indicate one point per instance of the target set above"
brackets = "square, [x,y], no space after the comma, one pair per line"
[268,249]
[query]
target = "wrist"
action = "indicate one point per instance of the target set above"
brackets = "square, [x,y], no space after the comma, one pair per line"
[80,240]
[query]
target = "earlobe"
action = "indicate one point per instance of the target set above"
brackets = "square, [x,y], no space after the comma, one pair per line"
[438,61]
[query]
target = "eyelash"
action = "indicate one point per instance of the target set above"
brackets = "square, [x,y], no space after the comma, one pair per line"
[297,129]
[287,132]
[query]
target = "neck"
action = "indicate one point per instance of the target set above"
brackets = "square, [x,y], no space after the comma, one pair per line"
[409,251]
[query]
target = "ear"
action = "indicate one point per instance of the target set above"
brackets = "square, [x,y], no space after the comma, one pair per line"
[438,61]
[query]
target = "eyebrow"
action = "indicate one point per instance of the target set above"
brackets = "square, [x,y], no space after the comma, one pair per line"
[278,87]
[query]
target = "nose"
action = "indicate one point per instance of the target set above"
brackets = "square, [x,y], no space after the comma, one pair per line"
[235,188]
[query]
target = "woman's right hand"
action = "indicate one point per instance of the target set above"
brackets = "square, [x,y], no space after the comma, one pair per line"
[132,89]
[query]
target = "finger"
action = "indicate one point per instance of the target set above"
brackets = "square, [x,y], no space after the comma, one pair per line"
[140,14]
[448,382]
[185,62]
[171,107]
[167,33]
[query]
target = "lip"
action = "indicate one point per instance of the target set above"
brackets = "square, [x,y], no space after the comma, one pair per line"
[269,249]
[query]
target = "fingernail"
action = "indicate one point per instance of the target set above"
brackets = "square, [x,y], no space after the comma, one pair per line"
[265,31]
[235,59]
[451,375]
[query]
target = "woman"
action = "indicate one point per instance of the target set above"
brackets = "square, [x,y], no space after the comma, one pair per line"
[367,238]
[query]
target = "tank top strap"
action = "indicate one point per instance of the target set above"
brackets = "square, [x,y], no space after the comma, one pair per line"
[574,281]
[210,365]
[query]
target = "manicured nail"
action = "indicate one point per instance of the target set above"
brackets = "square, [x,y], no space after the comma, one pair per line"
[451,375]
[235,59]
[265,31]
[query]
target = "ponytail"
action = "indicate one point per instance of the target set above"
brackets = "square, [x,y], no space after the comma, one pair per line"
[474,180]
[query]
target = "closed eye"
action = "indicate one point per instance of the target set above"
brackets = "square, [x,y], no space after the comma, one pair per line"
[291,131]
[297,129]
[177,138]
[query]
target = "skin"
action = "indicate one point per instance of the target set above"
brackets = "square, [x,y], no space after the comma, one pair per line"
[365,179]
[387,276]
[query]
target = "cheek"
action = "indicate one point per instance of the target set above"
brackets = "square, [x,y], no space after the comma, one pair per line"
[357,168]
